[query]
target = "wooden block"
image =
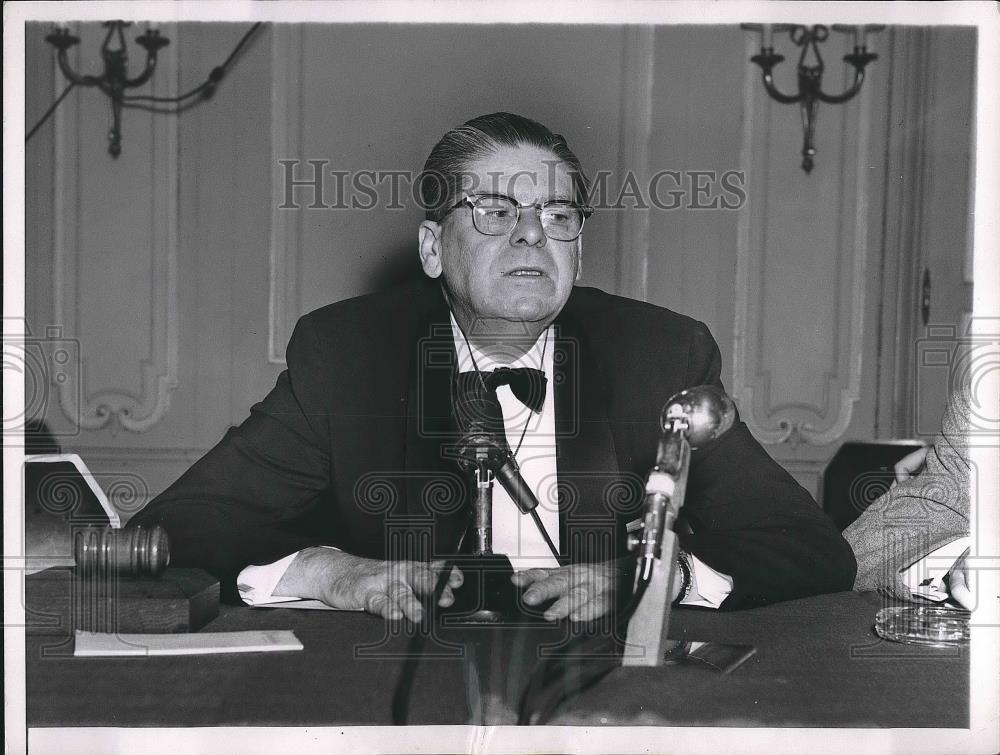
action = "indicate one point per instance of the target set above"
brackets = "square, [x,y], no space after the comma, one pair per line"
[59,600]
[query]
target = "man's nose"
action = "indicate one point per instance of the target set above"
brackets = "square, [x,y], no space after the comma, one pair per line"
[528,229]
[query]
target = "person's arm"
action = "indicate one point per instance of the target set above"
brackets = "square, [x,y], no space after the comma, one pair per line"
[920,513]
[249,499]
[750,519]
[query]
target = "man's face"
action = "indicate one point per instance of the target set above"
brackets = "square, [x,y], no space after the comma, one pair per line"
[522,276]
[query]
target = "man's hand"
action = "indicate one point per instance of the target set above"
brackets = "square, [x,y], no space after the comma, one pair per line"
[957,582]
[583,591]
[386,588]
[910,465]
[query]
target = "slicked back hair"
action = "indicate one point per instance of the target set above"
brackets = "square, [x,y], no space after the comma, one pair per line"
[441,180]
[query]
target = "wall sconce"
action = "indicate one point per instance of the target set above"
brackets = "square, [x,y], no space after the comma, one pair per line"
[810,77]
[115,80]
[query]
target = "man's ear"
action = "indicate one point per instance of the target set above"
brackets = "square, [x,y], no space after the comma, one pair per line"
[579,257]
[429,238]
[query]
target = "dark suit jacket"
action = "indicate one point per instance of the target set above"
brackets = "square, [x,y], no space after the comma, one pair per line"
[350,449]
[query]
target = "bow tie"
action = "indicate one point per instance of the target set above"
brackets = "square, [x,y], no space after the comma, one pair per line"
[527,384]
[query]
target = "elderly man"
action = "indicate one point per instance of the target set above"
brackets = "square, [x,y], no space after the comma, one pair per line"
[342,485]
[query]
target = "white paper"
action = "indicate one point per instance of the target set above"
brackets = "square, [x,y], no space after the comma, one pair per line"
[92,644]
[307,603]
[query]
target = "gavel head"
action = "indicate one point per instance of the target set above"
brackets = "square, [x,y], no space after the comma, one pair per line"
[706,410]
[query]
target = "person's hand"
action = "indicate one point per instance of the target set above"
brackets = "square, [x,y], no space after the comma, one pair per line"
[390,589]
[957,583]
[910,465]
[582,591]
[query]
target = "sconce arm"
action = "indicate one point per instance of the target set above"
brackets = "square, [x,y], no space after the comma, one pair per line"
[858,59]
[63,59]
[147,73]
[151,42]
[776,94]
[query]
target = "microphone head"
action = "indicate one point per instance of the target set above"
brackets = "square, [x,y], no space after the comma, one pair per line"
[478,416]
[479,444]
[709,413]
[474,407]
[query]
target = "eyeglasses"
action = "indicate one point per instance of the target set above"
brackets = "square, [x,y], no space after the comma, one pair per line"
[497,215]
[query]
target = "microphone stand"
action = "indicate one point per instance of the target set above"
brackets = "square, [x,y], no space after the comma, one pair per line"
[487,595]
[690,420]
[646,638]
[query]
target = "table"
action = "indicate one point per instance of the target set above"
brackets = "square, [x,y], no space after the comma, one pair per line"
[818,664]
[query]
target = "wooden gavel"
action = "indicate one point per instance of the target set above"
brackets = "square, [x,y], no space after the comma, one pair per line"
[138,551]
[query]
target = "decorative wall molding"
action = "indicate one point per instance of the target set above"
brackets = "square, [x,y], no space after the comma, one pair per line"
[100,407]
[287,51]
[751,378]
[638,60]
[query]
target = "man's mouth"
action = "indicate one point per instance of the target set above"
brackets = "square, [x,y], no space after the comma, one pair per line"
[525,272]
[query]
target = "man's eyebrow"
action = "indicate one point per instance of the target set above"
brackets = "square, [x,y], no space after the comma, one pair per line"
[557,198]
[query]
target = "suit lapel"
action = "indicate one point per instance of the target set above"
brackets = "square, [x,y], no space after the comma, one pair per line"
[588,465]
[435,489]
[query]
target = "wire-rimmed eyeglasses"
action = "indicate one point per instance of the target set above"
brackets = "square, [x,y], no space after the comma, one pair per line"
[498,214]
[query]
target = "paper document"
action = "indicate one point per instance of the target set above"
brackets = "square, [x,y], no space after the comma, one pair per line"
[90,644]
[312,605]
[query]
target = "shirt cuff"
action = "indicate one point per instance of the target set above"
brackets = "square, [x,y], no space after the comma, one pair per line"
[708,587]
[256,583]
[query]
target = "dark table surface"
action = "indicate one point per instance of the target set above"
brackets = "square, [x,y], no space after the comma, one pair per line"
[819,663]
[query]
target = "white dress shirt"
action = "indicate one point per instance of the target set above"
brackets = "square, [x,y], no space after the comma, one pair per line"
[532,436]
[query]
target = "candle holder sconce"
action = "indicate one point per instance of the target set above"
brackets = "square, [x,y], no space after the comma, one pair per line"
[810,74]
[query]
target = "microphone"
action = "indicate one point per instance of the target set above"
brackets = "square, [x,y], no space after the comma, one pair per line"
[690,420]
[707,412]
[478,415]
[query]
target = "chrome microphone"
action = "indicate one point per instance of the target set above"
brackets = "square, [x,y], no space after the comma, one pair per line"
[478,414]
[690,420]
[706,412]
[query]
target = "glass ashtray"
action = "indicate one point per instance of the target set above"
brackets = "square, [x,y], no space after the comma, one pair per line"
[924,625]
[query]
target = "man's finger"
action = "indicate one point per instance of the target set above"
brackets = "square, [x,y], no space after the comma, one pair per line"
[528,576]
[962,595]
[402,596]
[578,596]
[447,597]
[910,465]
[957,582]
[454,580]
[592,609]
[561,608]
[411,607]
[423,580]
[380,604]
[545,589]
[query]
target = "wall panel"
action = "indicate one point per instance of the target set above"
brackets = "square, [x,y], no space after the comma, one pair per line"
[180,275]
